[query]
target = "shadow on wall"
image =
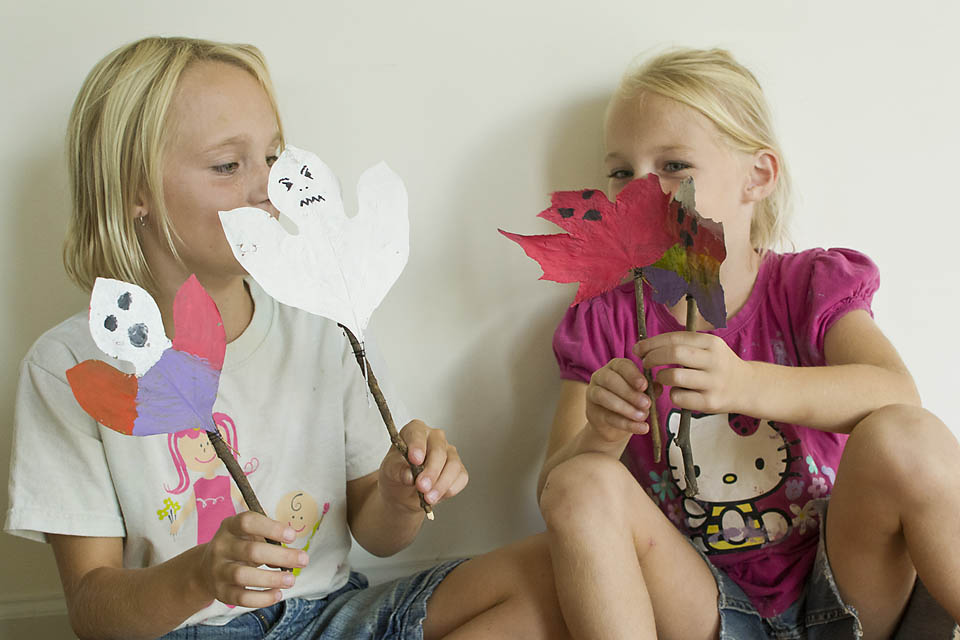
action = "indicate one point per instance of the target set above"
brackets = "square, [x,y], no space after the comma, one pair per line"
[504,386]
[38,296]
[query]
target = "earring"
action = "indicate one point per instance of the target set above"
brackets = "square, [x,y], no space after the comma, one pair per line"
[143,220]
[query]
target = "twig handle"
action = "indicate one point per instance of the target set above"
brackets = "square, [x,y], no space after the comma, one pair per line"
[653,418]
[683,431]
[381,401]
[226,456]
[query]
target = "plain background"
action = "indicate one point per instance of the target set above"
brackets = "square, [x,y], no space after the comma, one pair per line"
[483,109]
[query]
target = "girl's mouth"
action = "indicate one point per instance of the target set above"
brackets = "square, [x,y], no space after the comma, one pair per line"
[210,459]
[297,530]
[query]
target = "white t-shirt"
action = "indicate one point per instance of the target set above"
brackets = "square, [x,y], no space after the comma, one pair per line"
[292,402]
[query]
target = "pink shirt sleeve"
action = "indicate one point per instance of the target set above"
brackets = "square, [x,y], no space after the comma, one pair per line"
[826,285]
[593,332]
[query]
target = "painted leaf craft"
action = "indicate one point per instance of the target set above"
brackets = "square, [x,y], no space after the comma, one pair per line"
[692,265]
[679,250]
[605,240]
[334,266]
[337,267]
[178,389]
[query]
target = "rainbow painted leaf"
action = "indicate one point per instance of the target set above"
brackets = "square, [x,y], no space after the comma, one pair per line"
[692,265]
[643,229]
[176,382]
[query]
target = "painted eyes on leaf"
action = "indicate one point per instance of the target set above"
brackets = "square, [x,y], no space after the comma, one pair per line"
[305,172]
[287,182]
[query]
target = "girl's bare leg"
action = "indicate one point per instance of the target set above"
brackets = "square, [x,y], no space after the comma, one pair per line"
[896,506]
[622,569]
[507,593]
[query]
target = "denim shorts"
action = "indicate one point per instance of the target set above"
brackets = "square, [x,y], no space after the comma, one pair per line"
[820,613]
[390,611]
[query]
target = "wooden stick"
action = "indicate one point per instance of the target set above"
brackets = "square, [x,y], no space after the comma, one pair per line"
[395,438]
[226,456]
[653,418]
[683,432]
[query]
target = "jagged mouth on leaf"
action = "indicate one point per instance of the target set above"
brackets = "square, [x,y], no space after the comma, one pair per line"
[311,200]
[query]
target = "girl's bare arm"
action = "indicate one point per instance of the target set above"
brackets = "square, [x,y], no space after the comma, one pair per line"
[105,600]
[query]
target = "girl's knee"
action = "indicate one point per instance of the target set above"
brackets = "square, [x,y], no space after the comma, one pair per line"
[585,487]
[903,443]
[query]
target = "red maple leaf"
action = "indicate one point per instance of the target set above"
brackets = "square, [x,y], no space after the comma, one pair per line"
[606,239]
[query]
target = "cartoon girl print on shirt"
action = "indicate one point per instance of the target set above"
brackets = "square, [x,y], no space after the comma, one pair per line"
[301,513]
[214,493]
[748,460]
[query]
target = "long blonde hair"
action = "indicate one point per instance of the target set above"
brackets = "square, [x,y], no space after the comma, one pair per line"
[115,146]
[727,93]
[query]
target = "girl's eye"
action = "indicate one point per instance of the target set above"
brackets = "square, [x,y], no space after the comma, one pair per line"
[271,160]
[674,167]
[227,168]
[620,174]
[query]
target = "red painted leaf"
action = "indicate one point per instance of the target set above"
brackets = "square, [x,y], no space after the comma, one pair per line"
[197,323]
[605,240]
[109,396]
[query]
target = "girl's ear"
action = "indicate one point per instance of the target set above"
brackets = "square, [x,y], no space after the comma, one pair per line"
[140,209]
[762,176]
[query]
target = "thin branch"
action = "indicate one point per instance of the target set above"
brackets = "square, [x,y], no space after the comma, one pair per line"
[226,456]
[683,432]
[653,418]
[381,401]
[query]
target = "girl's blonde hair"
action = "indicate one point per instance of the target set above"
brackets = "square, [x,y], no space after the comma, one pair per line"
[115,146]
[724,91]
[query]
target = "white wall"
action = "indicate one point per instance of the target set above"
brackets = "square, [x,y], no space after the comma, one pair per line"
[485,108]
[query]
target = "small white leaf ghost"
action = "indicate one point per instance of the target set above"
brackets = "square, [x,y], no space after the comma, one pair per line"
[337,267]
[126,324]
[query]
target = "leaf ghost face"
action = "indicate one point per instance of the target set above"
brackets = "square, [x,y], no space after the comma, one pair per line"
[301,184]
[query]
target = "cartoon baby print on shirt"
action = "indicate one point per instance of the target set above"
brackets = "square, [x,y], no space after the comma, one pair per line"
[750,460]
[302,514]
[213,494]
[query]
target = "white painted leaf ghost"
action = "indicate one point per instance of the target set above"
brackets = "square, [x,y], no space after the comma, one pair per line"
[126,324]
[334,266]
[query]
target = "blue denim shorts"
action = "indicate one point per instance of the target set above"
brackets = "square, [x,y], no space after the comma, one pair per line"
[390,611]
[820,613]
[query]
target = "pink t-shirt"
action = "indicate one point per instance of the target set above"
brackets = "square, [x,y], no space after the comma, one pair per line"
[754,514]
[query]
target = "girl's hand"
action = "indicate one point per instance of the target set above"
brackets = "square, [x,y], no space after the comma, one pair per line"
[617,404]
[443,475]
[709,376]
[230,562]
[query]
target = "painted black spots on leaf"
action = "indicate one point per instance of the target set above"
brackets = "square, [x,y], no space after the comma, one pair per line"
[592,215]
[565,212]
[588,194]
[138,334]
[124,301]
[110,323]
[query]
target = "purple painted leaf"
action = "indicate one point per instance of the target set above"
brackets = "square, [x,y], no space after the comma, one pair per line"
[177,393]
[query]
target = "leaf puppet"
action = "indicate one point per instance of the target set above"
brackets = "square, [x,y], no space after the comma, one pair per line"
[175,382]
[333,266]
[645,233]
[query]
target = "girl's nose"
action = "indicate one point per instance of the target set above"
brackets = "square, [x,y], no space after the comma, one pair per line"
[259,195]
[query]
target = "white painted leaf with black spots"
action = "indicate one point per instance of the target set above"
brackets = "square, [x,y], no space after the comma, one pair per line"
[126,324]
